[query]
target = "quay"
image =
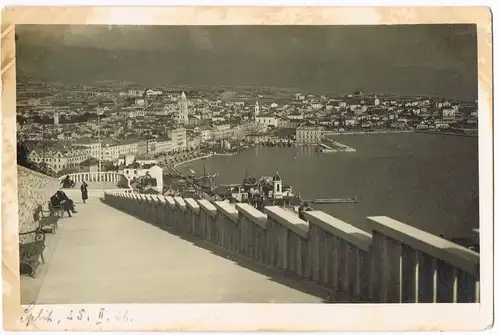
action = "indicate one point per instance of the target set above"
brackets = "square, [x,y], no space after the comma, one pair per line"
[339,147]
[332,201]
[185,250]
[466,134]
[339,133]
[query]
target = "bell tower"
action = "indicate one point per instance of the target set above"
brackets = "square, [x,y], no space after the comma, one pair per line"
[277,186]
[256,109]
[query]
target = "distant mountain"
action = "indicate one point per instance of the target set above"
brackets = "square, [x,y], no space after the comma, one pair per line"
[202,68]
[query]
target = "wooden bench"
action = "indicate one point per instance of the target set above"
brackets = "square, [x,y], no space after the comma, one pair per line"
[31,252]
[47,223]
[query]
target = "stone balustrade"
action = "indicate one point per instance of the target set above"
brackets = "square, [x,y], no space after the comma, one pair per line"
[94,177]
[410,265]
[33,189]
[394,263]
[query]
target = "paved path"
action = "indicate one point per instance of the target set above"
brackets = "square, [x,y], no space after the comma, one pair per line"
[105,256]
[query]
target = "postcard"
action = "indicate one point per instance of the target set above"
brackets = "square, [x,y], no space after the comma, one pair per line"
[247,168]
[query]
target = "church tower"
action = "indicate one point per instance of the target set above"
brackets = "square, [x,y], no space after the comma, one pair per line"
[183,109]
[277,186]
[56,118]
[257,110]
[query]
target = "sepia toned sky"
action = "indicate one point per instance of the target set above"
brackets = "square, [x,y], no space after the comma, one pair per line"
[438,60]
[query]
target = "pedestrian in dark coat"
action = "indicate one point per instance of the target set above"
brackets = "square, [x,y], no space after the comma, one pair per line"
[85,194]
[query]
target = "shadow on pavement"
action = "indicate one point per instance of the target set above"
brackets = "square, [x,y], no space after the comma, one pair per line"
[281,277]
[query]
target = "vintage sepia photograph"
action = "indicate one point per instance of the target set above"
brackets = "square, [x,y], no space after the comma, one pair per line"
[270,164]
[216,168]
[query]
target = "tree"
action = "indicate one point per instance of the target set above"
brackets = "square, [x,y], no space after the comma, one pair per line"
[109,166]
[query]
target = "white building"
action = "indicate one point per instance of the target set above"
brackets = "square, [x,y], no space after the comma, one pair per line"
[134,93]
[126,160]
[308,135]
[112,151]
[56,118]
[58,158]
[206,135]
[143,162]
[256,109]
[154,172]
[93,146]
[166,145]
[296,116]
[221,131]
[140,101]
[151,93]
[268,120]
[179,139]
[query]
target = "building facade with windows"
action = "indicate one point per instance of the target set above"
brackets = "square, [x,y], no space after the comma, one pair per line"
[308,135]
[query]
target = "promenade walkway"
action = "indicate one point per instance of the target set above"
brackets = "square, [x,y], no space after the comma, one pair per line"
[102,255]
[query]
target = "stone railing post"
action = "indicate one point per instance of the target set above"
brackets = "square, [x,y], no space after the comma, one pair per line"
[193,216]
[410,265]
[136,205]
[227,225]
[253,232]
[180,214]
[288,240]
[169,219]
[125,202]
[339,255]
[160,209]
[142,206]
[151,205]
[208,214]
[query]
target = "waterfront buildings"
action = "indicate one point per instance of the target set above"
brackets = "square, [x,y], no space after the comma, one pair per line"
[179,139]
[111,150]
[142,121]
[222,131]
[308,135]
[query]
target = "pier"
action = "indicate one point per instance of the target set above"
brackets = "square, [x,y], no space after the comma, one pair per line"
[337,147]
[332,201]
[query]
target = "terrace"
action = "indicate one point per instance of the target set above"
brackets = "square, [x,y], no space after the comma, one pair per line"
[127,247]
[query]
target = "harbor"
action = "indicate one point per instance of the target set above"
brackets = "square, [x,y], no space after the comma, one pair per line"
[380,174]
[265,191]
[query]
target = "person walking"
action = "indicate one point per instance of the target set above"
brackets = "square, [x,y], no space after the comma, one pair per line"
[85,194]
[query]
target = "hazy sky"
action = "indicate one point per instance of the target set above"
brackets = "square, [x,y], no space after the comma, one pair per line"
[419,59]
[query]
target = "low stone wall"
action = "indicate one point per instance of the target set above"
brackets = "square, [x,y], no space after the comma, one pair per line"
[33,189]
[395,263]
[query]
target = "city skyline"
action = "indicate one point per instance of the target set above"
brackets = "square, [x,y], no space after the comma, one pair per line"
[434,60]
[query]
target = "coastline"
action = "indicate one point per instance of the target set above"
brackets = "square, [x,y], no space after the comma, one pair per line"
[336,133]
[191,160]
[343,147]
[201,157]
[445,133]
